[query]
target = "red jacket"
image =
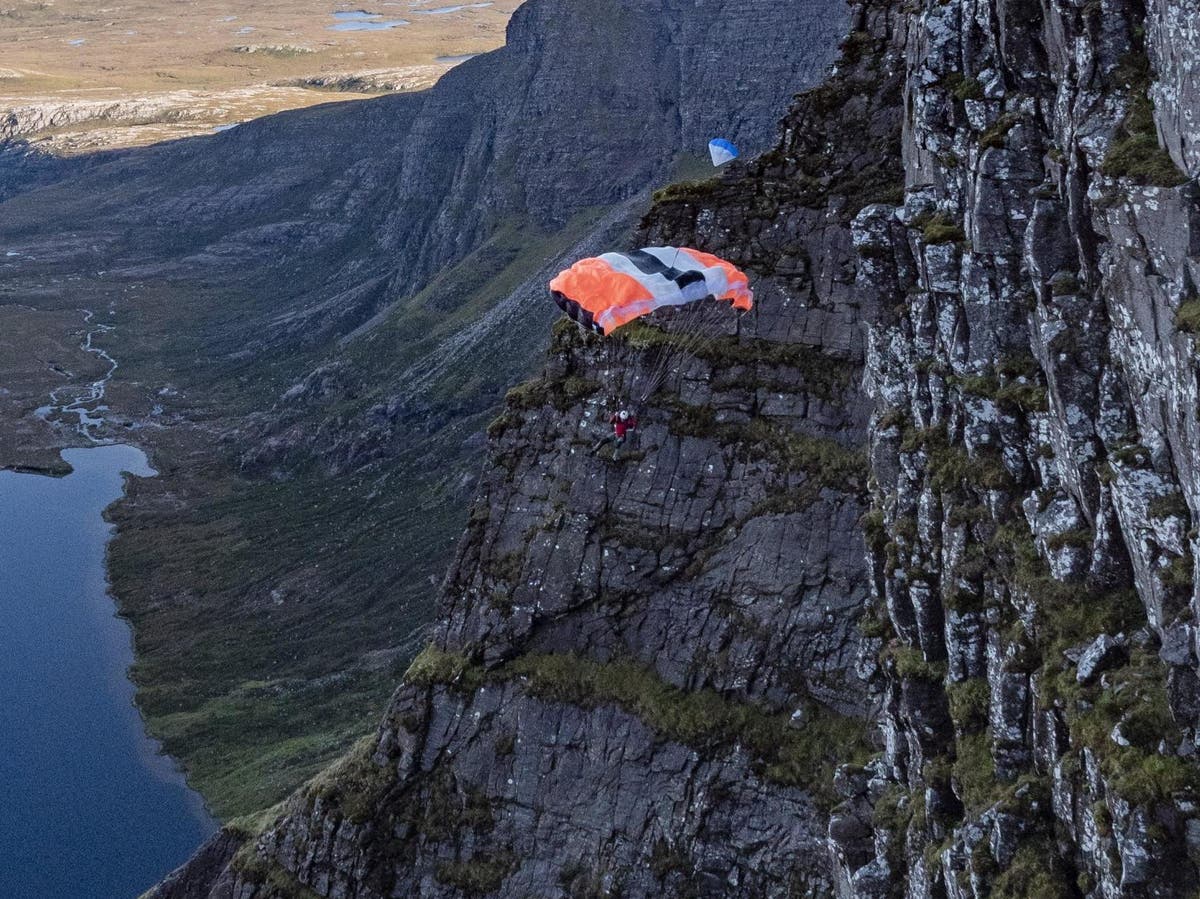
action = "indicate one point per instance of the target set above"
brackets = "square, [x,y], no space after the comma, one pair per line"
[620,427]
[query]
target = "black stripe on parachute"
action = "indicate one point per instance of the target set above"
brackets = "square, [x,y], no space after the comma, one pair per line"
[576,312]
[649,264]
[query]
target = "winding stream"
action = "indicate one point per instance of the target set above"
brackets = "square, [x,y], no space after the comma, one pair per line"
[78,400]
[89,808]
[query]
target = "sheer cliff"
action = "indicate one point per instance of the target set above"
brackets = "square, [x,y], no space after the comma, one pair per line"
[1033,452]
[897,595]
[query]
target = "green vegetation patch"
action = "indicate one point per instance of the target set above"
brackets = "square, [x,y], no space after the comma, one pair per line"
[951,466]
[245,675]
[1135,152]
[910,663]
[974,771]
[1012,393]
[560,393]
[1135,455]
[804,755]
[1187,318]
[446,810]
[1169,505]
[253,825]
[962,87]
[1133,696]
[273,880]
[824,375]
[355,783]
[479,875]
[1036,870]
[688,191]
[827,462]
[1065,284]
[969,704]
[434,666]
[939,228]
[996,136]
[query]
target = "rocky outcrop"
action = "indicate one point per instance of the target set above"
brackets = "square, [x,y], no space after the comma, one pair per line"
[48,115]
[374,81]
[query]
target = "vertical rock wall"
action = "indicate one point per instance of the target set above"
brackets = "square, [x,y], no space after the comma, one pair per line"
[1034,455]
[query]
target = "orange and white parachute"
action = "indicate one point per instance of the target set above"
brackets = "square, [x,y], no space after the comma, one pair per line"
[605,292]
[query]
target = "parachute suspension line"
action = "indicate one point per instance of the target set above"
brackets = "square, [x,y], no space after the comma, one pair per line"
[665,352]
[618,356]
[695,330]
[691,319]
[700,334]
[699,328]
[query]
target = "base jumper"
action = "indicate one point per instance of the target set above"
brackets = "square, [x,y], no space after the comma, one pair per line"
[623,424]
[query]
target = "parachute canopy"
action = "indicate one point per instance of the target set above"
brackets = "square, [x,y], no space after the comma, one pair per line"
[722,151]
[605,292]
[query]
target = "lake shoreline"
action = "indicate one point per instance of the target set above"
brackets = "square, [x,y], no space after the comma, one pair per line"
[89,788]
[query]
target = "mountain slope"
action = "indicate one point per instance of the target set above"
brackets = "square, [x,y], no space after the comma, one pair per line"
[316,315]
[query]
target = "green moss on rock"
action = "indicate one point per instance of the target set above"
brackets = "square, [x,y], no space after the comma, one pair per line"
[705,719]
[479,875]
[962,87]
[1036,870]
[941,228]
[355,783]
[271,878]
[1187,317]
[1135,153]
[974,772]
[910,663]
[436,666]
[996,136]
[826,461]
[969,704]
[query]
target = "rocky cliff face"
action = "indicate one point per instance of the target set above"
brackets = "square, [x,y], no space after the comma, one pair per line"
[1033,451]
[676,675]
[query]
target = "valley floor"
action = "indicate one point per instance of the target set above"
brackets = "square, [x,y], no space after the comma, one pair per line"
[263,642]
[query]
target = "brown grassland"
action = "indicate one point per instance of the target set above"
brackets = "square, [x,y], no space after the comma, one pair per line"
[195,65]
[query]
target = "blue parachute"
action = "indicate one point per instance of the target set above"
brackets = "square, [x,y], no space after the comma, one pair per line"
[722,151]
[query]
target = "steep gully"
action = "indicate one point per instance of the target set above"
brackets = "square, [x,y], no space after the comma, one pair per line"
[631,659]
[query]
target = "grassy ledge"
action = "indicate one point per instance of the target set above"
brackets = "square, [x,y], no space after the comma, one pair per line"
[802,756]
